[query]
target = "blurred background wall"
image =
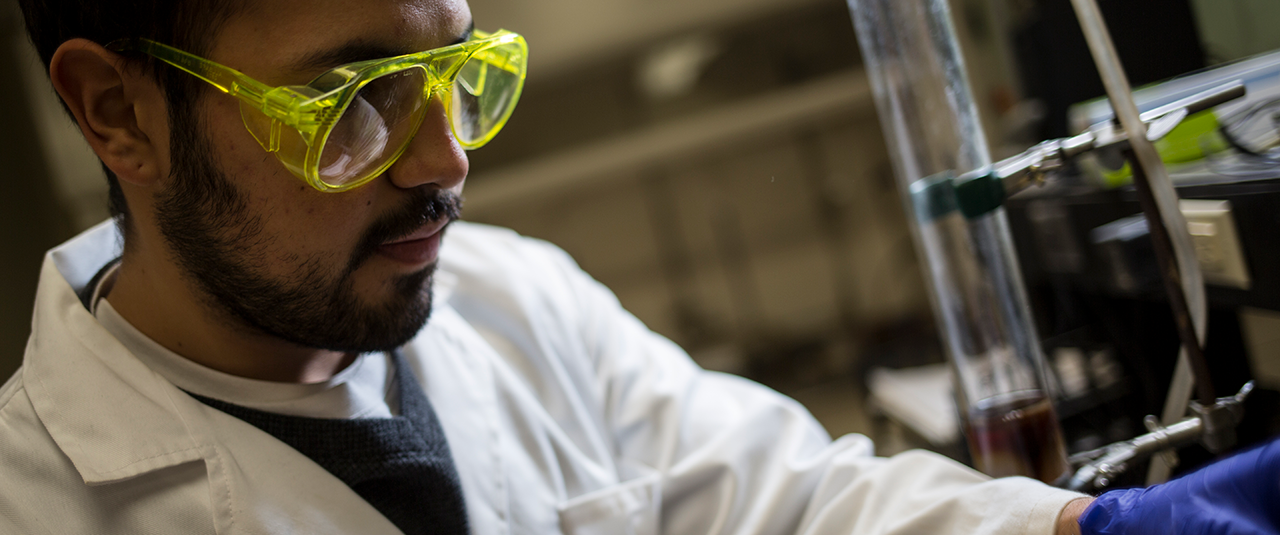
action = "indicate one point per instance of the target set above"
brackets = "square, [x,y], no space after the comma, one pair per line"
[32,214]
[717,163]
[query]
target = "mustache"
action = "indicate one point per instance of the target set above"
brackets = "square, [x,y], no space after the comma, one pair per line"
[424,207]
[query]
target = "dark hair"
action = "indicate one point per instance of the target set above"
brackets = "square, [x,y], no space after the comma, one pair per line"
[189,25]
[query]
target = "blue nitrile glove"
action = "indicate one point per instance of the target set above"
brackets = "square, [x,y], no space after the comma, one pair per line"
[1239,495]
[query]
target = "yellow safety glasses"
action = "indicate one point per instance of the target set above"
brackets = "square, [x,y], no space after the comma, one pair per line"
[348,125]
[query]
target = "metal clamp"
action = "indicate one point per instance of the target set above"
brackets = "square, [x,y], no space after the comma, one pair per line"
[1213,426]
[1034,166]
[1220,420]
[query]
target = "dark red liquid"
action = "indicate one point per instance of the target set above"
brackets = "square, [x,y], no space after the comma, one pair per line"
[1017,435]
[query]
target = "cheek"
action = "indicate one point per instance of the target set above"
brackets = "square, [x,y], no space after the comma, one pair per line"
[242,159]
[298,223]
[305,229]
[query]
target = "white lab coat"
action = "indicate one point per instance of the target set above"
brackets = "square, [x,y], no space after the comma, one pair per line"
[563,412]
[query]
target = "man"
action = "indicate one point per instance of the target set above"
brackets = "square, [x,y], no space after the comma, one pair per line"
[246,349]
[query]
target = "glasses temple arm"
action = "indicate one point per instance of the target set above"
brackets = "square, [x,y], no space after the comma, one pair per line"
[223,78]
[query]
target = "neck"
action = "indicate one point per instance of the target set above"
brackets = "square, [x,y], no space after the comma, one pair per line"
[158,301]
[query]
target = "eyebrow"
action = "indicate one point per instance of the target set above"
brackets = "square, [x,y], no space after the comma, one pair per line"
[358,50]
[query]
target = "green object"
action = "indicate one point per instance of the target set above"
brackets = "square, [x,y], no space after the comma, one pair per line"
[934,196]
[979,193]
[1193,140]
[351,123]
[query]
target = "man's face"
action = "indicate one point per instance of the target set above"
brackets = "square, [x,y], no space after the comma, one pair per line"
[346,271]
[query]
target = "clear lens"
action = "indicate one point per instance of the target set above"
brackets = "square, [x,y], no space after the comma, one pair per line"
[485,92]
[374,128]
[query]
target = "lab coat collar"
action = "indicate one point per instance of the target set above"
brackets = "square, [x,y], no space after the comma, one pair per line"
[111,415]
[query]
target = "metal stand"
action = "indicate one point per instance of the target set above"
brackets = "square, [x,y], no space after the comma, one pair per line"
[1214,420]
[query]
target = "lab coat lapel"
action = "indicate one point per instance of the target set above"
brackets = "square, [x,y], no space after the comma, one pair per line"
[261,485]
[109,413]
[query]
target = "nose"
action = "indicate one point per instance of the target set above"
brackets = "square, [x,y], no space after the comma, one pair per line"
[433,156]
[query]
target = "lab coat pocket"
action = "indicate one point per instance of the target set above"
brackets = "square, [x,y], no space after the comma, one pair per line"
[628,508]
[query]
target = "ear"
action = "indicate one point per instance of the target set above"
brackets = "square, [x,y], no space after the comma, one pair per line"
[119,109]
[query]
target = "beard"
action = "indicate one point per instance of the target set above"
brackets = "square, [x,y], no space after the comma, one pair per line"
[222,250]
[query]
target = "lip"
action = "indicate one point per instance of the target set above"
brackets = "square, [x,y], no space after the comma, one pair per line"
[418,248]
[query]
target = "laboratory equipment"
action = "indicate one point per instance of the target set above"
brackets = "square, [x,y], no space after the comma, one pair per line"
[941,160]
[956,198]
[1238,141]
[1213,426]
[1175,258]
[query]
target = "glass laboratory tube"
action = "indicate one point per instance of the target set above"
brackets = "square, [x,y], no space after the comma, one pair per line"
[940,157]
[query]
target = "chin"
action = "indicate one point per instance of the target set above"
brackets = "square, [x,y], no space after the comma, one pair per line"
[349,325]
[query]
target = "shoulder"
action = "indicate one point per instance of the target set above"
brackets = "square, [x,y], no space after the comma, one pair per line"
[526,291]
